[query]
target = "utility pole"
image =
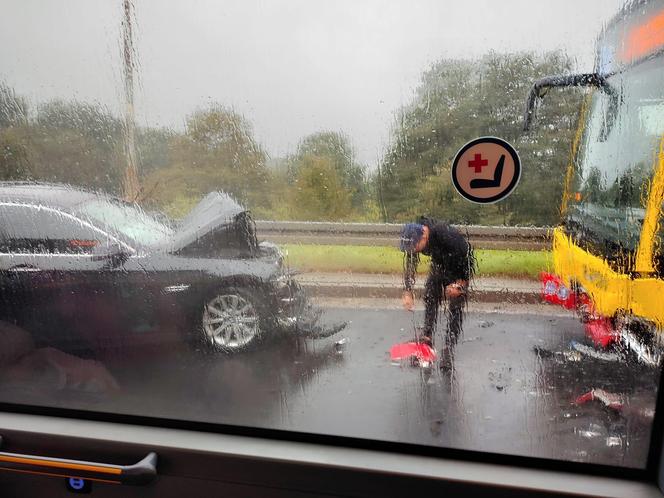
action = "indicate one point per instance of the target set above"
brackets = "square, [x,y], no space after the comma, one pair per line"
[131,187]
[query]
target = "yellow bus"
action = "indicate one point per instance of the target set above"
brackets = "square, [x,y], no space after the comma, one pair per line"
[607,250]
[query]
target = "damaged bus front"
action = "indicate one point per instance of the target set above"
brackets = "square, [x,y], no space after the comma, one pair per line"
[608,262]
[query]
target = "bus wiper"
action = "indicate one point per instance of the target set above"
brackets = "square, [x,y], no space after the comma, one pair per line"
[542,86]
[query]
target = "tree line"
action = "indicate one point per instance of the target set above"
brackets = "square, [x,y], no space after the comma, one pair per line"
[322,180]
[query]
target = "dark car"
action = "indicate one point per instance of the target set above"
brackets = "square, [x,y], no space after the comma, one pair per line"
[88,272]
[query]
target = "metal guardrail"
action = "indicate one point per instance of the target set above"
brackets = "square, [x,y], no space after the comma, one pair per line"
[387,234]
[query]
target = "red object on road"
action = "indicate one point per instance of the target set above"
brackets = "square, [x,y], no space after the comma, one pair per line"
[610,400]
[421,352]
[601,332]
[584,398]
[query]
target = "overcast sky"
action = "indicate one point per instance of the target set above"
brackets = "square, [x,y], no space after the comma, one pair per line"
[291,67]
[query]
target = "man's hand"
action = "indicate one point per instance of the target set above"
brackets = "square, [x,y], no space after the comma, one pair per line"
[408,300]
[456,289]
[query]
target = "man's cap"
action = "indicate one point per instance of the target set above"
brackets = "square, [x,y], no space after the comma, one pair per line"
[411,233]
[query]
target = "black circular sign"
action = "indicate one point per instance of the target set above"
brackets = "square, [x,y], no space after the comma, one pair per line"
[486,170]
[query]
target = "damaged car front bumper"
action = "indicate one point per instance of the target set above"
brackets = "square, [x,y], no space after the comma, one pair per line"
[295,313]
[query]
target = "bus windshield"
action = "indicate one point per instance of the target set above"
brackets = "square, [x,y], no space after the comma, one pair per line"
[616,161]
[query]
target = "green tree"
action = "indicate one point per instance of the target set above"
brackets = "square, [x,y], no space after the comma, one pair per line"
[77,143]
[14,163]
[153,147]
[329,155]
[319,193]
[459,100]
[336,148]
[13,108]
[217,152]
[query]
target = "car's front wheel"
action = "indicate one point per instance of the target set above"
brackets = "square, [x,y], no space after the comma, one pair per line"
[231,320]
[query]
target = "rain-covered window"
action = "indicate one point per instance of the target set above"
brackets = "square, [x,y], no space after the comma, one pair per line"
[615,164]
[33,229]
[127,221]
[435,223]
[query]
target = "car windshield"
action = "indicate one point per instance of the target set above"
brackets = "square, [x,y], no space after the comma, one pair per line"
[617,158]
[341,227]
[126,221]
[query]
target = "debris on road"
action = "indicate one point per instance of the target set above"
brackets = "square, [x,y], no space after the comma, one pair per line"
[594,353]
[340,345]
[576,353]
[610,400]
[559,356]
[423,354]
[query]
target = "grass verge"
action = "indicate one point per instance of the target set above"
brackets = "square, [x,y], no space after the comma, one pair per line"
[367,259]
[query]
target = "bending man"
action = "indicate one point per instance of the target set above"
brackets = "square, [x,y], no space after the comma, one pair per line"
[452,265]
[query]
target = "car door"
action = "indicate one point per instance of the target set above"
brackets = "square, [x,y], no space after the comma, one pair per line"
[149,285]
[54,274]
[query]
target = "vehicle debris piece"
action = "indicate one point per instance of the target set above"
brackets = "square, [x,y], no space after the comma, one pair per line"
[340,345]
[601,332]
[559,356]
[594,353]
[422,354]
[610,400]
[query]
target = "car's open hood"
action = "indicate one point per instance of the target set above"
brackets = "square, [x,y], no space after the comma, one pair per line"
[215,210]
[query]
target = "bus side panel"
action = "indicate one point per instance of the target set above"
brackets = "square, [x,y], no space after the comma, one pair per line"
[648,300]
[608,290]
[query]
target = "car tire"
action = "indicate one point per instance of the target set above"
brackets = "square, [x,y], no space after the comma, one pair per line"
[231,320]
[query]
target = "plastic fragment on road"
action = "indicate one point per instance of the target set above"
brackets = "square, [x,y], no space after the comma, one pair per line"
[610,400]
[314,330]
[422,353]
[340,345]
[593,353]
[558,356]
[601,332]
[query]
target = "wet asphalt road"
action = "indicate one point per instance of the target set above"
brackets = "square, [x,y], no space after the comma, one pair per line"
[503,397]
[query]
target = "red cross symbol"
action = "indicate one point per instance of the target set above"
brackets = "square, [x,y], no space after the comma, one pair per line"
[477,163]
